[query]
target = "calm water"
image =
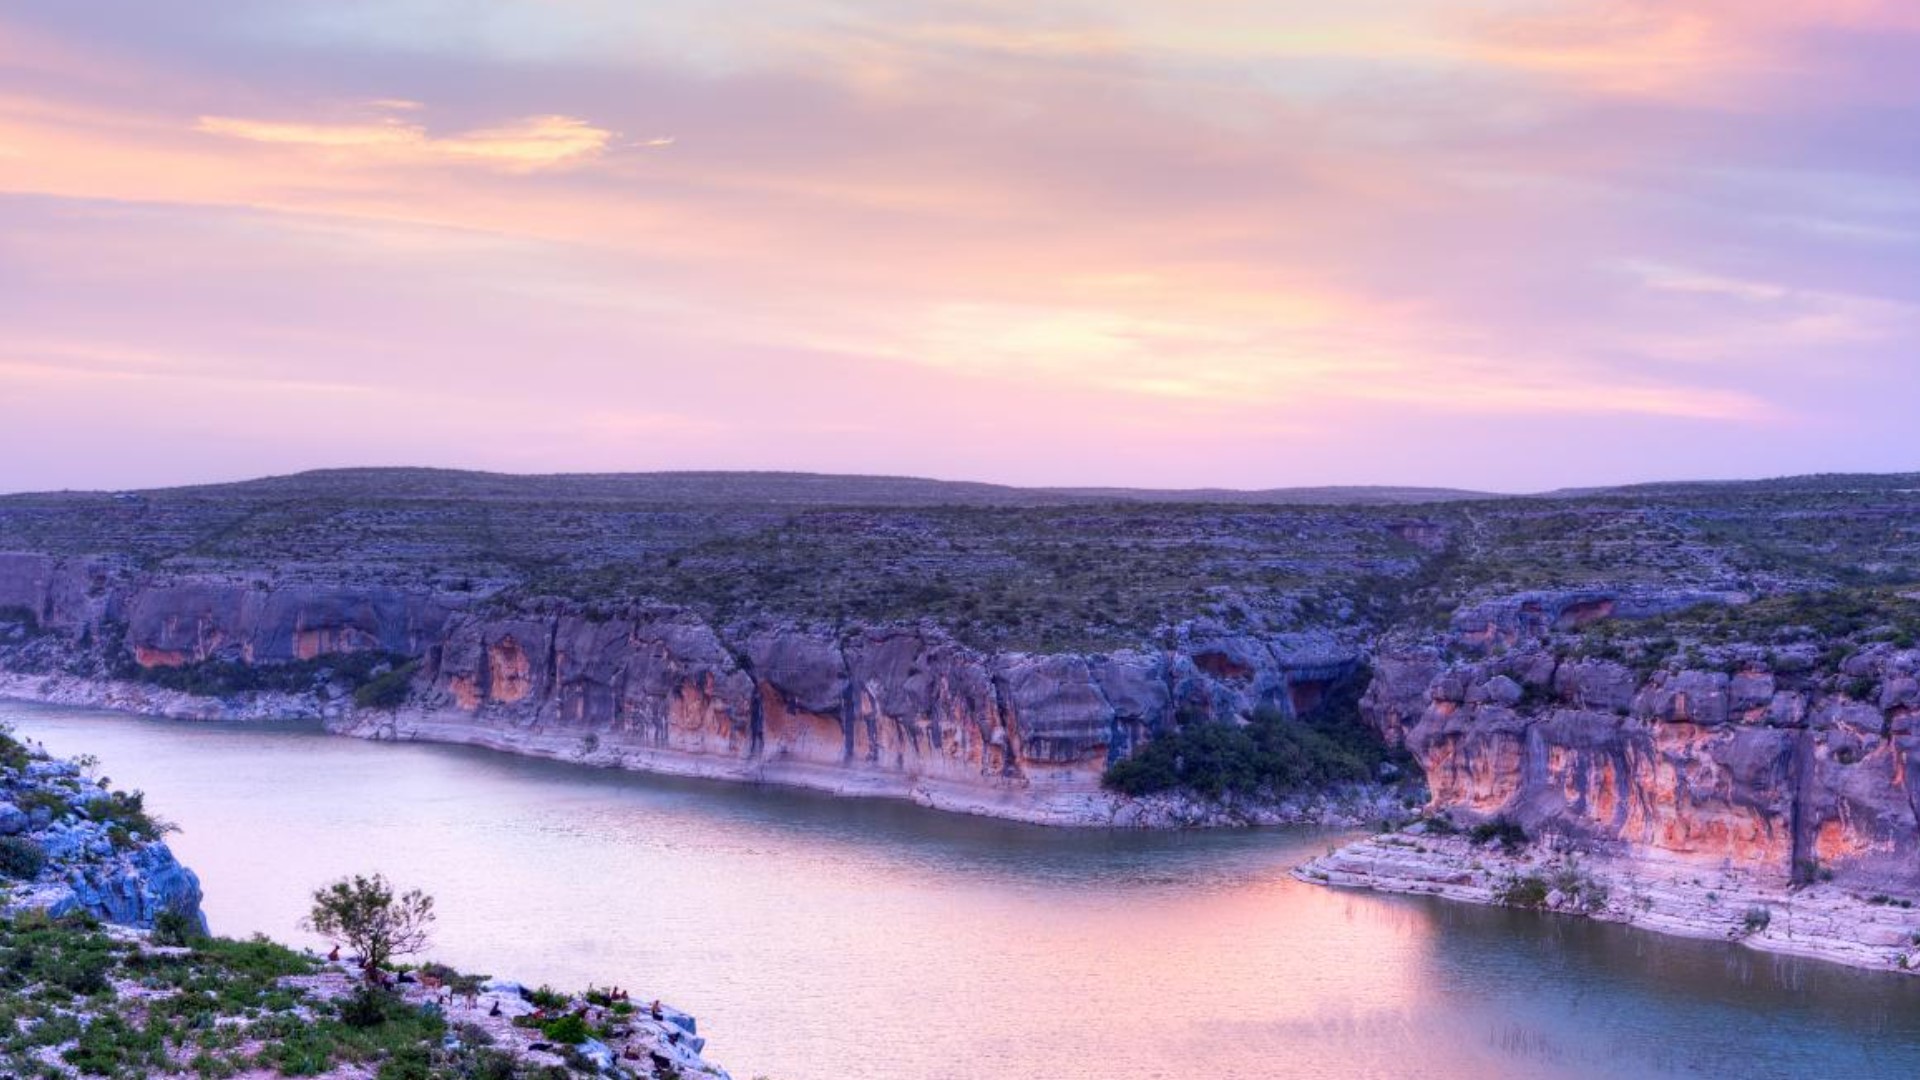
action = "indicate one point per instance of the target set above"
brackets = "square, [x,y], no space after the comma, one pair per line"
[820,939]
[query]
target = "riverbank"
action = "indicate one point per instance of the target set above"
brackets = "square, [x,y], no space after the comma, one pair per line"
[87,999]
[107,969]
[1819,921]
[1062,803]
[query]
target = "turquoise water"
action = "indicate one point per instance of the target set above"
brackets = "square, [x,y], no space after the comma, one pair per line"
[822,939]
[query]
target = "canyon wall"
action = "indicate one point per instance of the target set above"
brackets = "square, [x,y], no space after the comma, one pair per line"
[901,711]
[1775,772]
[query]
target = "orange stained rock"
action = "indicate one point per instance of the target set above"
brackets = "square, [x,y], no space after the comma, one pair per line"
[308,644]
[799,734]
[1837,839]
[148,657]
[698,722]
[511,671]
[465,691]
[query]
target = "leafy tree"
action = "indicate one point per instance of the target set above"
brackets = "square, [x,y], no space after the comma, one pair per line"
[371,919]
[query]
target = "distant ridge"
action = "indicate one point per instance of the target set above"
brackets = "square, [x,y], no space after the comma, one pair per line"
[714,487]
[771,488]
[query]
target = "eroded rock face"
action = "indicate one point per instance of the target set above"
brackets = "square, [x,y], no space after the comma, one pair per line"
[60,594]
[882,709]
[183,623]
[906,702]
[1697,766]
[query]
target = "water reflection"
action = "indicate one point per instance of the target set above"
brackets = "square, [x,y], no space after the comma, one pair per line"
[821,938]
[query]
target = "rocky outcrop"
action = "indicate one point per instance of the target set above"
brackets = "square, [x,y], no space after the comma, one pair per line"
[1788,778]
[71,847]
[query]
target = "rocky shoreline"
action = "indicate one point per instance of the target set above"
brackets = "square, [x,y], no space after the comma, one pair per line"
[70,845]
[1820,921]
[106,943]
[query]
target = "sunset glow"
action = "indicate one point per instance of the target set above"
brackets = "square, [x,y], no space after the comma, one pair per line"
[1508,244]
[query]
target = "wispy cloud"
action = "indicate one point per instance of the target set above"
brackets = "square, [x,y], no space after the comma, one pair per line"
[526,145]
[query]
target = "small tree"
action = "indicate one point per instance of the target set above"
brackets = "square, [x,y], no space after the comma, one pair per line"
[368,917]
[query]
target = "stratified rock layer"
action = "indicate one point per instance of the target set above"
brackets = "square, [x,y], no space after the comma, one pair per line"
[901,711]
[1700,767]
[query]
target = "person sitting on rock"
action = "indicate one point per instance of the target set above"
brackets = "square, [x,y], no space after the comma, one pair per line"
[657,1014]
[495,1011]
[334,956]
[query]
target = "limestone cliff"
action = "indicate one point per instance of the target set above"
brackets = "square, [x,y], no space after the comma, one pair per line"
[1793,763]
[898,710]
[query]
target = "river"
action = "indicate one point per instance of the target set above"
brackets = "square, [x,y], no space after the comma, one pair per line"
[826,939]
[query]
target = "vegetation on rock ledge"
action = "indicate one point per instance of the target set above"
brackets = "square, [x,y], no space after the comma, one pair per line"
[1269,756]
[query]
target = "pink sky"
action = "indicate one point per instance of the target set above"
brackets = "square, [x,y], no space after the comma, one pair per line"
[1507,244]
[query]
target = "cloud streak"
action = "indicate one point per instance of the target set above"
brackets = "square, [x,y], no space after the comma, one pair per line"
[525,145]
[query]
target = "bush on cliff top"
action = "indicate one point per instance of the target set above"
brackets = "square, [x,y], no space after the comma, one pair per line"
[127,818]
[1269,755]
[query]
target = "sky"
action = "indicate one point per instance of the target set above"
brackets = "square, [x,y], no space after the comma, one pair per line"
[1500,244]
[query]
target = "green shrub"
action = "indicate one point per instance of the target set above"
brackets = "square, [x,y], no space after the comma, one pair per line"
[13,753]
[388,690]
[407,1063]
[226,678]
[1504,831]
[175,927]
[365,1008]
[127,813]
[21,858]
[79,970]
[46,799]
[111,1047]
[1528,891]
[568,1030]
[1269,755]
[257,958]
